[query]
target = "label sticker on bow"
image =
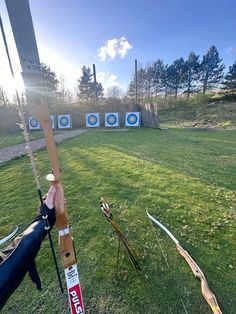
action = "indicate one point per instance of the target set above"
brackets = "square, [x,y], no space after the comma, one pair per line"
[74,290]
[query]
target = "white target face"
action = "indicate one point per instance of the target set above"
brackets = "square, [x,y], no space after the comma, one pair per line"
[34,124]
[132,119]
[64,121]
[52,119]
[111,119]
[92,120]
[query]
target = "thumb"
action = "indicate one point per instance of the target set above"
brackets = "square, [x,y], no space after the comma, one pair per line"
[50,197]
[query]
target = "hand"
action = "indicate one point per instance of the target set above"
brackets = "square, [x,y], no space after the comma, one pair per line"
[49,201]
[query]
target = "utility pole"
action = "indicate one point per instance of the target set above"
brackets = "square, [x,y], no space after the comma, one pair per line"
[95,82]
[136,82]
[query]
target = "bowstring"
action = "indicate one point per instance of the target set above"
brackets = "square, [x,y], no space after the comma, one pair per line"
[32,161]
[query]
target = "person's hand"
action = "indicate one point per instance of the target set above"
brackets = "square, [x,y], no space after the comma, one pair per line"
[60,209]
[49,201]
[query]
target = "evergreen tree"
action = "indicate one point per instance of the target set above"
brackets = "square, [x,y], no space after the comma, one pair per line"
[50,78]
[86,88]
[141,84]
[211,72]
[176,75]
[160,77]
[192,72]
[148,81]
[131,89]
[100,90]
[86,85]
[230,78]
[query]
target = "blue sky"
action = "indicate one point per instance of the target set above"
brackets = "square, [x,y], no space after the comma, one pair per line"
[71,33]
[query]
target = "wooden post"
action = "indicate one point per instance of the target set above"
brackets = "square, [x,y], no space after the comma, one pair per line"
[136,82]
[95,83]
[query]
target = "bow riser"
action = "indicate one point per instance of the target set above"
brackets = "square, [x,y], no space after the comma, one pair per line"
[22,27]
[198,273]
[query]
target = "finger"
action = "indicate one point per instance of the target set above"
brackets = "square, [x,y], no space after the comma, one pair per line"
[50,197]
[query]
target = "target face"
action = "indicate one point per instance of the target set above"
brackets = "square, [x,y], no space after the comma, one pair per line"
[33,124]
[92,120]
[64,121]
[132,119]
[52,118]
[111,119]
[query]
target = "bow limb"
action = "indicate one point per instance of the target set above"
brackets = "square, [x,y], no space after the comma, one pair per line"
[206,292]
[9,236]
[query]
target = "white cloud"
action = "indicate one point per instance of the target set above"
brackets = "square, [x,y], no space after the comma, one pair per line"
[114,47]
[109,80]
[230,50]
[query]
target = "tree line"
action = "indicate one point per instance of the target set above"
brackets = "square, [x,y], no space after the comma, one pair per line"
[183,76]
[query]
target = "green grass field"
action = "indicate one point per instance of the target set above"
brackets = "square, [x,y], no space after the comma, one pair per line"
[185,178]
[17,138]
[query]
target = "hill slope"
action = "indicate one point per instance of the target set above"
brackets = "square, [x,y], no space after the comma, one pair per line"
[213,115]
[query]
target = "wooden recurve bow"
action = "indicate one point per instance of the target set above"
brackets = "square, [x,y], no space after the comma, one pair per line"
[206,292]
[36,93]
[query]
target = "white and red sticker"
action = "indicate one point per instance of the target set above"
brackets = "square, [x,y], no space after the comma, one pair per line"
[74,291]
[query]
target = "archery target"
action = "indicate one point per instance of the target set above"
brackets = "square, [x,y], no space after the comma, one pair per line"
[52,118]
[132,119]
[64,121]
[111,119]
[92,120]
[34,124]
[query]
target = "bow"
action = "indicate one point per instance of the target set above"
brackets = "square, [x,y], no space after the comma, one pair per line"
[36,94]
[9,236]
[206,292]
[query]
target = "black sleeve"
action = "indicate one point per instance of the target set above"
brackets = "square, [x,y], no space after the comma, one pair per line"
[19,258]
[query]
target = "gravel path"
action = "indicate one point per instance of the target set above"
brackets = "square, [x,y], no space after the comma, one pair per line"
[12,152]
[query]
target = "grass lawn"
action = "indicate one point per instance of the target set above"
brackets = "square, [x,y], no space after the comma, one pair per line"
[186,179]
[17,138]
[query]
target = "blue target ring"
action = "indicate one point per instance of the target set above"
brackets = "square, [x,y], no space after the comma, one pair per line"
[132,119]
[64,121]
[92,119]
[34,123]
[111,119]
